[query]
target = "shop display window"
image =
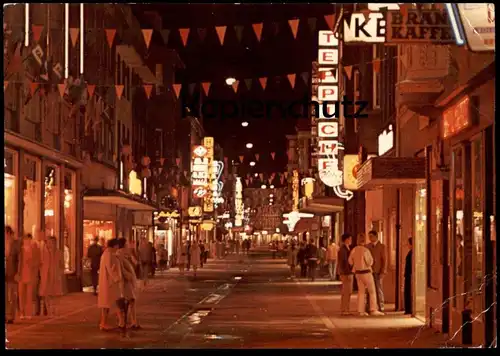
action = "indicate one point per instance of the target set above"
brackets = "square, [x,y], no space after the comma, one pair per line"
[51,202]
[69,222]
[31,195]
[104,230]
[477,214]
[10,188]
[458,223]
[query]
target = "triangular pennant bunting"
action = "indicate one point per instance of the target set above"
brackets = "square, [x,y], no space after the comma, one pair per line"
[239,32]
[286,174]
[294,26]
[119,90]
[221,32]
[202,33]
[282,179]
[263,82]
[73,34]
[62,89]
[291,79]
[165,33]
[257,157]
[37,32]
[191,88]
[91,89]
[178,161]
[248,83]
[177,89]
[110,36]
[305,77]
[184,32]
[148,88]
[261,176]
[206,87]
[330,21]
[257,28]
[273,154]
[312,23]
[241,159]
[147,34]
[235,86]
[33,87]
[348,71]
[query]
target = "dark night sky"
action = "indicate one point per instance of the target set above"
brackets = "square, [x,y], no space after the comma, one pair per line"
[275,56]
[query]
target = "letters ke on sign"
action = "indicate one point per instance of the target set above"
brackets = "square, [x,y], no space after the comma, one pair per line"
[199,172]
[208,204]
[478,21]
[456,118]
[357,29]
[420,27]
[385,141]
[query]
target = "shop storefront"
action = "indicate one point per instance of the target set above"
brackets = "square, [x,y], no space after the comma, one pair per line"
[167,231]
[41,191]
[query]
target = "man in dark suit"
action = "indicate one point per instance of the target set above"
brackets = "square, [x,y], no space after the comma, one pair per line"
[12,252]
[312,259]
[345,273]
[408,279]
[379,266]
[94,254]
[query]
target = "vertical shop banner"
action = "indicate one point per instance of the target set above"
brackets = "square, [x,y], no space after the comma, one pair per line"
[208,203]
[199,172]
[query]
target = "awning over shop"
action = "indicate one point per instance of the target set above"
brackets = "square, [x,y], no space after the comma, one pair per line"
[120,199]
[322,205]
[304,224]
[380,171]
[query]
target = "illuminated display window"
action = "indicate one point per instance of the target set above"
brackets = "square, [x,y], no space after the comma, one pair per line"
[10,188]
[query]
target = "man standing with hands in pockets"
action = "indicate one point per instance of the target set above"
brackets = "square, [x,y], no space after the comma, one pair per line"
[379,266]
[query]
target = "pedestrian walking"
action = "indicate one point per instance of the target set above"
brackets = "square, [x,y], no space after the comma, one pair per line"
[202,253]
[12,259]
[379,267]
[162,257]
[408,279]
[188,256]
[331,257]
[182,257]
[154,261]
[29,267]
[345,273]
[238,246]
[362,261]
[292,258]
[312,259]
[195,256]
[302,260]
[128,318]
[146,258]
[322,260]
[52,276]
[94,254]
[205,253]
[110,284]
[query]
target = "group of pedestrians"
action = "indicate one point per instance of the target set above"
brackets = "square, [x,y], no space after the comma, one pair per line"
[191,254]
[34,276]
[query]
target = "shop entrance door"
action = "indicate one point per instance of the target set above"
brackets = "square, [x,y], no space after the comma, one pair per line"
[419,253]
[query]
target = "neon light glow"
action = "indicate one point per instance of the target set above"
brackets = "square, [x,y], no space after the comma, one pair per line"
[238,219]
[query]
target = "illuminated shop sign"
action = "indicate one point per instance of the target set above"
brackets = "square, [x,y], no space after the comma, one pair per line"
[351,166]
[208,204]
[385,141]
[359,29]
[166,215]
[478,23]
[216,183]
[327,90]
[238,203]
[194,211]
[134,183]
[199,172]
[456,118]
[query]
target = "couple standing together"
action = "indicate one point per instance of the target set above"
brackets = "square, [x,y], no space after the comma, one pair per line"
[368,263]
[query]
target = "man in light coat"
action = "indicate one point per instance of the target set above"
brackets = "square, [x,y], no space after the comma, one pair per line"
[111,283]
[379,267]
[12,255]
[331,257]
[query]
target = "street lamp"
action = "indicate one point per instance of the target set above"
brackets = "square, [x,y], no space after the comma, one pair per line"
[256,175]
[244,124]
[272,186]
[263,186]
[230,81]
[249,145]
[252,163]
[271,195]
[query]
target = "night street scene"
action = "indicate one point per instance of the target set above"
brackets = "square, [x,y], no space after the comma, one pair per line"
[249,176]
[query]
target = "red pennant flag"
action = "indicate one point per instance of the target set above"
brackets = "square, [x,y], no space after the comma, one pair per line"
[310,171]
[263,82]
[110,36]
[294,26]
[246,181]
[291,79]
[273,154]
[241,159]
[91,89]
[119,90]
[286,174]
[147,34]
[282,178]
[257,157]
[148,88]
[178,161]
[403,8]
[177,89]
[235,86]
[221,32]
[184,32]
[73,34]
[330,21]
[162,160]
[257,27]
[33,87]
[37,32]
[261,176]
[251,179]
[376,65]
[62,88]
[5,84]
[206,87]
[348,71]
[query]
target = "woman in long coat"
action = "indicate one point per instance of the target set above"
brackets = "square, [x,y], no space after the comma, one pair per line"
[195,256]
[110,283]
[292,258]
[51,275]
[182,257]
[29,265]
[128,262]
